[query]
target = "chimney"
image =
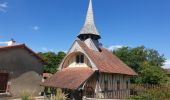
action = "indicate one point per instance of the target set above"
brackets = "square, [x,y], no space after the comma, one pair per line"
[11,42]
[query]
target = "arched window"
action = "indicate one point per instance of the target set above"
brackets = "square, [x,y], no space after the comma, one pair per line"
[80,58]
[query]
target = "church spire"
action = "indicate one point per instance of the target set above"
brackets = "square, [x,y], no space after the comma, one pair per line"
[89,16]
[89,28]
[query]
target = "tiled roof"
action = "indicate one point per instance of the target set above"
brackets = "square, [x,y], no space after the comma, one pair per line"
[22,46]
[47,75]
[69,78]
[106,62]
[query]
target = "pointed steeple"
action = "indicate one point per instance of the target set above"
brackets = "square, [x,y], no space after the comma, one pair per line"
[89,16]
[89,28]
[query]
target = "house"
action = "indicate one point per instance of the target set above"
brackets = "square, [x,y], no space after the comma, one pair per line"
[20,71]
[89,70]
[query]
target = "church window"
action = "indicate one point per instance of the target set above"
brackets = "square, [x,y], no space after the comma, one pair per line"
[77,59]
[80,59]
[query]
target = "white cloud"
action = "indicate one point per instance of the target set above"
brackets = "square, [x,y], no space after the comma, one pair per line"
[114,47]
[44,49]
[3,7]
[36,28]
[167,64]
[65,51]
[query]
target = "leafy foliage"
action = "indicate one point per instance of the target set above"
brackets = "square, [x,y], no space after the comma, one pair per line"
[158,93]
[146,62]
[151,75]
[53,60]
[27,95]
[60,95]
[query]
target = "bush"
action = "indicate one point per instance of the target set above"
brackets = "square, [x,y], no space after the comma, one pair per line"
[60,95]
[157,93]
[27,95]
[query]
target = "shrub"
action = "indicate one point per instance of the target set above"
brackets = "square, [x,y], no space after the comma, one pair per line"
[27,95]
[60,95]
[157,93]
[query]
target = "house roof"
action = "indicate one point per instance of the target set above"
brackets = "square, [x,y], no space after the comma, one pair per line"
[106,61]
[23,46]
[69,78]
[47,75]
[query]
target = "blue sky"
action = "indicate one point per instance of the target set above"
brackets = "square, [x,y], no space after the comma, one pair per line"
[54,24]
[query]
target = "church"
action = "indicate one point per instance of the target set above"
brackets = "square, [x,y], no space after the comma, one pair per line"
[89,70]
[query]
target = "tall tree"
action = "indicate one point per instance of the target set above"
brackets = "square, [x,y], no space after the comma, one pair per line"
[146,62]
[53,60]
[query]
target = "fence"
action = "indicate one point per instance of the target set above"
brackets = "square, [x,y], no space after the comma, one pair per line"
[136,89]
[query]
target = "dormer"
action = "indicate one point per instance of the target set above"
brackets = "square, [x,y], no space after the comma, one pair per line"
[77,59]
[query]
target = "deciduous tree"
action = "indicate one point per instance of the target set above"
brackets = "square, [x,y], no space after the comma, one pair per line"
[146,62]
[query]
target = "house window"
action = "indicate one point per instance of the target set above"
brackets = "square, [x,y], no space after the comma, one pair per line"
[127,84]
[80,59]
[105,85]
[118,85]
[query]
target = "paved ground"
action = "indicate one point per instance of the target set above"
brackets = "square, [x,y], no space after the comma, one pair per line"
[37,98]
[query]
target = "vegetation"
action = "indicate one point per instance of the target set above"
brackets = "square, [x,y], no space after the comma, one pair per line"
[154,93]
[60,95]
[27,95]
[146,62]
[53,59]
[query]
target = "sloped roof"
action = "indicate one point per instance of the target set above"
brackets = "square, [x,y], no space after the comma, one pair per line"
[69,78]
[22,46]
[106,62]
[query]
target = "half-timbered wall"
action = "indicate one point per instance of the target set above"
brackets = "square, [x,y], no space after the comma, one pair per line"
[90,87]
[109,86]
[113,86]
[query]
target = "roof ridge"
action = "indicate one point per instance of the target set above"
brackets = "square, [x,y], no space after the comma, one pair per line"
[27,48]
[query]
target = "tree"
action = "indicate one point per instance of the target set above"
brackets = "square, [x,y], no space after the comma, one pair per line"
[53,61]
[146,62]
[151,75]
